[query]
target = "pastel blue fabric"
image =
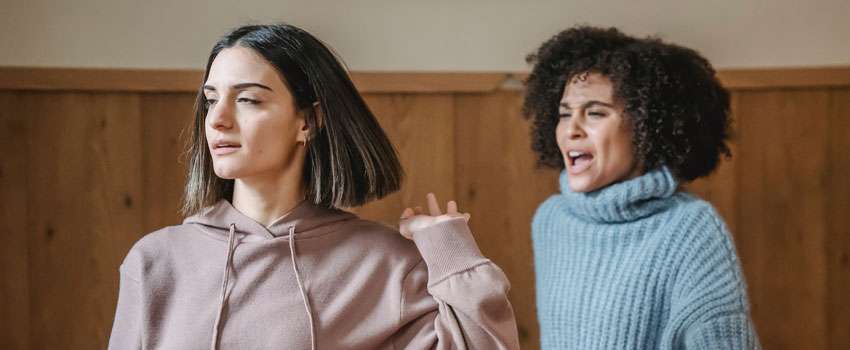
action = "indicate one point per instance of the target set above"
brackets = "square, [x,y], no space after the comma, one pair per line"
[638,264]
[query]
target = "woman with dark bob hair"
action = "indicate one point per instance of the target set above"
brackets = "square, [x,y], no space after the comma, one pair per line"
[266,258]
[624,258]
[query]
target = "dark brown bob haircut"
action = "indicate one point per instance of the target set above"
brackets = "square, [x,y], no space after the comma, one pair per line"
[349,162]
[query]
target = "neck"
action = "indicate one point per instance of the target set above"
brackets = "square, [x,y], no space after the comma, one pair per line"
[266,198]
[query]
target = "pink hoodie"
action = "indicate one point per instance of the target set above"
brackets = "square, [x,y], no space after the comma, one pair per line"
[223,281]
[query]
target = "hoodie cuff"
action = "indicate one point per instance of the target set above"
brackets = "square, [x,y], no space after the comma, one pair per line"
[447,248]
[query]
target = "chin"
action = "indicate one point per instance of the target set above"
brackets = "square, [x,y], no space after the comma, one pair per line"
[581,186]
[226,173]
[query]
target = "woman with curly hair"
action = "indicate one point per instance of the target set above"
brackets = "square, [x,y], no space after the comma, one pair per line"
[624,258]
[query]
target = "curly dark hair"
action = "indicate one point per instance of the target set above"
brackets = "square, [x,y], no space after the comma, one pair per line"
[678,110]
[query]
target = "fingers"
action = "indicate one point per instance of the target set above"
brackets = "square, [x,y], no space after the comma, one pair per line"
[407,213]
[433,206]
[451,207]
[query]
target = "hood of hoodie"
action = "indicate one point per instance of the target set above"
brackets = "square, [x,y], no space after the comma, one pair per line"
[307,218]
[224,222]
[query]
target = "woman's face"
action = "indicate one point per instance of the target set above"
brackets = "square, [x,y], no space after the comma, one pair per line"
[252,125]
[593,135]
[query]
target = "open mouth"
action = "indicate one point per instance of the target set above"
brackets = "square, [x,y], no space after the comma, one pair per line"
[579,160]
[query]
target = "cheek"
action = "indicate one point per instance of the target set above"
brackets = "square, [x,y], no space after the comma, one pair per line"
[263,140]
[615,144]
[207,131]
[270,140]
[622,150]
[560,134]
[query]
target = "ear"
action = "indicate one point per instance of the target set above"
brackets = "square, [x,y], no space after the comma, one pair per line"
[310,116]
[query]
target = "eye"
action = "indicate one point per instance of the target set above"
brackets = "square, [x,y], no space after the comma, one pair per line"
[596,114]
[564,115]
[210,102]
[247,100]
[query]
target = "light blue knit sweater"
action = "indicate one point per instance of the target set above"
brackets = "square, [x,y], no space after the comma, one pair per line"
[637,265]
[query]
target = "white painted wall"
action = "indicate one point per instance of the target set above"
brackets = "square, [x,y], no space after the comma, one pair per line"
[422,35]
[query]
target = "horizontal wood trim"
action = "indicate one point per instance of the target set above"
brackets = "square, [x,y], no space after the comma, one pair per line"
[169,80]
[422,82]
[95,79]
[742,79]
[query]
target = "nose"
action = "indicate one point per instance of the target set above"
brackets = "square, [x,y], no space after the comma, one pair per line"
[220,116]
[575,129]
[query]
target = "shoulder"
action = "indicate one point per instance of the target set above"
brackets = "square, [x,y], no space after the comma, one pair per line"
[697,221]
[704,245]
[154,247]
[378,238]
[546,209]
[545,216]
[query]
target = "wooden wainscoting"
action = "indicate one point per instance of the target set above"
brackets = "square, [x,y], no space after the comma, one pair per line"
[92,164]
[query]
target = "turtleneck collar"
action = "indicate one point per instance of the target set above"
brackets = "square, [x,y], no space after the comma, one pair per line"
[623,201]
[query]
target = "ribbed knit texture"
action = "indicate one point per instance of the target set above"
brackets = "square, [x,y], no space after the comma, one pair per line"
[637,265]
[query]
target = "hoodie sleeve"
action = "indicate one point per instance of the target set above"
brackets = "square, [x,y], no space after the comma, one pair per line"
[455,298]
[126,329]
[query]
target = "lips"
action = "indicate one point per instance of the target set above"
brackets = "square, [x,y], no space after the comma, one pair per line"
[225,147]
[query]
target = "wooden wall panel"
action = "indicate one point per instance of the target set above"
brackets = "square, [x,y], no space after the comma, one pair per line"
[421,127]
[165,133]
[837,188]
[14,252]
[500,186]
[86,174]
[782,195]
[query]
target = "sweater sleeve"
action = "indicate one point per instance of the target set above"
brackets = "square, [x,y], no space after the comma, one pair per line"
[126,329]
[733,331]
[455,298]
[710,302]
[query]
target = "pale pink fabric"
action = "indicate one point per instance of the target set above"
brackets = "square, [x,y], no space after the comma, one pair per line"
[366,287]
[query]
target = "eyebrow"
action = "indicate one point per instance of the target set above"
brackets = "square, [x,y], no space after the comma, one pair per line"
[241,86]
[590,104]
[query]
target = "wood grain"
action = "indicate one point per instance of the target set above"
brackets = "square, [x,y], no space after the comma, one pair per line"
[165,129]
[14,252]
[82,187]
[782,201]
[837,189]
[499,185]
[87,173]
[421,127]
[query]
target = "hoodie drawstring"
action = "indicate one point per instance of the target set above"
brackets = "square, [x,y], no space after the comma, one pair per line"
[224,281]
[301,287]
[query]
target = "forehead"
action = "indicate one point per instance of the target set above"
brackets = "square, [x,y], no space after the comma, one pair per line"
[587,87]
[239,65]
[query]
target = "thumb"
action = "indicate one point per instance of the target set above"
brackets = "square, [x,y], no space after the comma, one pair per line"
[407,213]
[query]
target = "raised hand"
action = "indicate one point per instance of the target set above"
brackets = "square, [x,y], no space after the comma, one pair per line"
[415,220]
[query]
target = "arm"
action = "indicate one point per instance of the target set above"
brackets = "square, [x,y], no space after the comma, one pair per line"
[455,298]
[710,296]
[126,329]
[730,331]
